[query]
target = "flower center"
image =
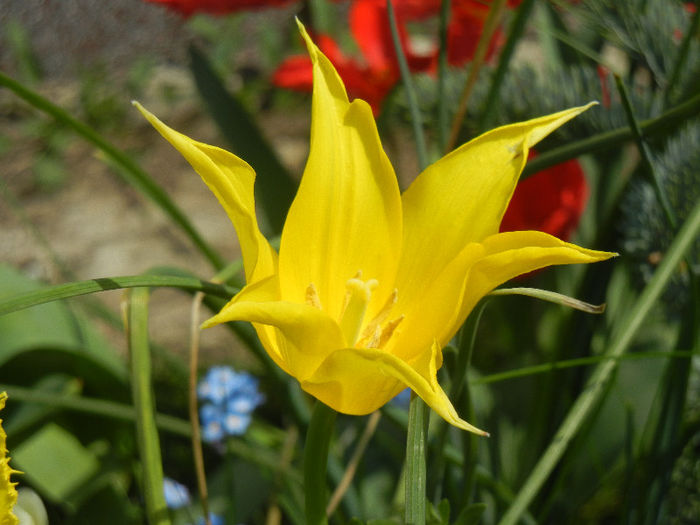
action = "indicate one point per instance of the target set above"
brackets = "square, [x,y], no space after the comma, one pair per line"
[373,334]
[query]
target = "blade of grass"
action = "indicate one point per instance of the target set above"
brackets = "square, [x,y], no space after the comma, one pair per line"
[95,407]
[515,33]
[130,171]
[65,291]
[552,297]
[443,117]
[669,120]
[136,322]
[646,155]
[620,341]
[572,363]
[411,97]
[492,21]
[682,56]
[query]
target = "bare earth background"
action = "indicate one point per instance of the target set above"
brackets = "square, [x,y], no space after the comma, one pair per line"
[94,223]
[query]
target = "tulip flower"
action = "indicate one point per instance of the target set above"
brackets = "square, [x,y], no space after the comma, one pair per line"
[369,284]
[8,491]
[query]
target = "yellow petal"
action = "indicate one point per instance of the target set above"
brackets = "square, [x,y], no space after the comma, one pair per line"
[515,253]
[231,180]
[8,492]
[264,290]
[434,315]
[462,197]
[358,381]
[346,216]
[305,335]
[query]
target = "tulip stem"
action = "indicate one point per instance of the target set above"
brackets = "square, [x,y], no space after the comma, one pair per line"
[318,439]
[418,417]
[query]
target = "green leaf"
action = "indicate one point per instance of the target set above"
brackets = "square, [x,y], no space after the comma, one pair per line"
[142,388]
[590,397]
[55,462]
[49,326]
[274,187]
[64,291]
[471,515]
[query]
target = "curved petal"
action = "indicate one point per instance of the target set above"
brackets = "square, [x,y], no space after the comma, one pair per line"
[305,335]
[433,316]
[462,197]
[347,213]
[231,180]
[515,253]
[358,381]
[262,291]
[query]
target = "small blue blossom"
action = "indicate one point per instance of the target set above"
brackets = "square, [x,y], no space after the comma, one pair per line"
[215,519]
[230,398]
[176,494]
[403,398]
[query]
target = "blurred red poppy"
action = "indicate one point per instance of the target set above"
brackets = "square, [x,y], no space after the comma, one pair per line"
[367,82]
[372,77]
[551,201]
[217,7]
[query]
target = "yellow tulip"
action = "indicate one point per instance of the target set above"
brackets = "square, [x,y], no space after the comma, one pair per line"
[8,492]
[370,284]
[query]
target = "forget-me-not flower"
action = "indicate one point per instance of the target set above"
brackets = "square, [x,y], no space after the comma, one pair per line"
[229,400]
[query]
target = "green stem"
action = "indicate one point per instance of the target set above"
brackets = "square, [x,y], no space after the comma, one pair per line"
[142,392]
[489,29]
[416,119]
[65,291]
[516,32]
[443,116]
[598,381]
[130,172]
[683,52]
[613,138]
[94,407]
[316,448]
[646,154]
[418,416]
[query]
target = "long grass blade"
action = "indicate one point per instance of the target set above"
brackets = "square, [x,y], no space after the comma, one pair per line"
[595,387]
[613,138]
[65,291]
[136,321]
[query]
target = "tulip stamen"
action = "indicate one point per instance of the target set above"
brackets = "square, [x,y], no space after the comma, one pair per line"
[312,297]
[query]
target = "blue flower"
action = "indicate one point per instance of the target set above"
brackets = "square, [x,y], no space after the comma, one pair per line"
[403,398]
[230,398]
[214,518]
[176,494]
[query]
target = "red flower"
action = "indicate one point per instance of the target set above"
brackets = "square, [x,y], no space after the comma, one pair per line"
[217,7]
[369,83]
[373,77]
[551,201]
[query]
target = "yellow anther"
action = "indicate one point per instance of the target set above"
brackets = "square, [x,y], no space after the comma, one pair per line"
[312,298]
[382,316]
[389,329]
